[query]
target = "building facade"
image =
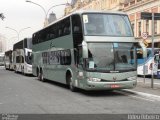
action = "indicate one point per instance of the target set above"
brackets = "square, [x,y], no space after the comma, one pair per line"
[133,8]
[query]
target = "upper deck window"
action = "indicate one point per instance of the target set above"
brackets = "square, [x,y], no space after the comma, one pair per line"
[107,25]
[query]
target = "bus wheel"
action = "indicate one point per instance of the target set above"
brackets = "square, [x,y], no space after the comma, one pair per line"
[23,71]
[42,77]
[72,88]
[15,68]
[5,67]
[38,75]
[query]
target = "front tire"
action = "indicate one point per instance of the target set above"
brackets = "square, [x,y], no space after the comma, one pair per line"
[38,75]
[41,77]
[15,70]
[5,67]
[23,72]
[9,67]
[71,86]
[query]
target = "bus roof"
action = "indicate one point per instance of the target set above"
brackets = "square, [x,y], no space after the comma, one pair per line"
[81,12]
[98,11]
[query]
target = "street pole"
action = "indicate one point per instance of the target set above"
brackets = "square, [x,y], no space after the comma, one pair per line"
[21,31]
[15,31]
[151,16]
[8,42]
[152,80]
[46,12]
[18,32]
[144,71]
[45,19]
[55,6]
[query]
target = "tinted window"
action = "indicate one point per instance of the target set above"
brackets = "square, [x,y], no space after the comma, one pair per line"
[56,30]
[19,59]
[65,57]
[107,24]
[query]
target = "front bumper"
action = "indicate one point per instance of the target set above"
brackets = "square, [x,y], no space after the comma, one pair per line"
[110,85]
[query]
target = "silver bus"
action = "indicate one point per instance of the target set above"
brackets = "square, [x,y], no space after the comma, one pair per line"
[1,59]
[90,50]
[22,52]
[8,60]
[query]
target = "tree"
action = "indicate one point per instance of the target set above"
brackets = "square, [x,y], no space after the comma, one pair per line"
[2,16]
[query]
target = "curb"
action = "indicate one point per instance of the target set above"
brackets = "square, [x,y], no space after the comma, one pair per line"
[147,95]
[148,83]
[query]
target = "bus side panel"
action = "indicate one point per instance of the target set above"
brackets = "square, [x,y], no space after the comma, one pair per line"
[36,64]
[6,62]
[51,71]
[20,62]
[57,72]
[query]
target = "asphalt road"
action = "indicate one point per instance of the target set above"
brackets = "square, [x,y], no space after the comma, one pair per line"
[25,94]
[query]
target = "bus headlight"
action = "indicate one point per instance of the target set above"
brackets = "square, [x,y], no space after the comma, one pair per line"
[94,79]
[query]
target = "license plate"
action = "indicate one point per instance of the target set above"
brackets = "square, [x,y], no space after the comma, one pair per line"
[115,86]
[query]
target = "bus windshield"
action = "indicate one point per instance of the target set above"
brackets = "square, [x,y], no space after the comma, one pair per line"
[109,57]
[107,25]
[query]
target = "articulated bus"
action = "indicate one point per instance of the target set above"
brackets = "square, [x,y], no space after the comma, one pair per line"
[90,50]
[22,52]
[8,60]
[145,63]
[1,59]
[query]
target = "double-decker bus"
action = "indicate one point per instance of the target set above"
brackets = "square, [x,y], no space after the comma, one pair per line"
[8,60]
[1,59]
[145,63]
[90,50]
[22,52]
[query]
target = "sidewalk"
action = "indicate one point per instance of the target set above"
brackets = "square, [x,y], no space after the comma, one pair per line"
[145,86]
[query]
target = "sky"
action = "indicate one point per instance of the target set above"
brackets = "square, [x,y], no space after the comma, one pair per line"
[21,14]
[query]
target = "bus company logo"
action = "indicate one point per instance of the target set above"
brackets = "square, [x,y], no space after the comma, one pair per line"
[114,78]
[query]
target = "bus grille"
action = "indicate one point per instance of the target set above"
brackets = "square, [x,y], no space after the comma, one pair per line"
[102,80]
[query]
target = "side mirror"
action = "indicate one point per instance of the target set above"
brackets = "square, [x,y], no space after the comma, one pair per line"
[84,49]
